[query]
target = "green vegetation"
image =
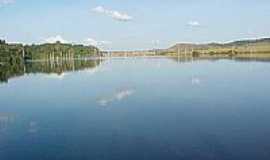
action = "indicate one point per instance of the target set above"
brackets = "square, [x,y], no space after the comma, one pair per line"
[54,58]
[18,52]
[58,50]
[11,53]
[259,48]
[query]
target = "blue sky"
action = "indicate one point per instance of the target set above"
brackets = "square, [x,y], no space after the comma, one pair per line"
[129,24]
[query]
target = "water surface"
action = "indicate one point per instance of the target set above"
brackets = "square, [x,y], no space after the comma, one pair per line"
[135,108]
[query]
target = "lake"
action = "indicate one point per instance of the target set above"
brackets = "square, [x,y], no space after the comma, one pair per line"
[135,109]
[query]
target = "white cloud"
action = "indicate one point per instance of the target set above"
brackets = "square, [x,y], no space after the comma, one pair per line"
[116,15]
[55,39]
[99,9]
[194,24]
[6,2]
[93,42]
[18,42]
[87,41]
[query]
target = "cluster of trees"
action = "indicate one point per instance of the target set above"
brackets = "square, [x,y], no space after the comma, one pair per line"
[56,58]
[10,52]
[18,52]
[59,50]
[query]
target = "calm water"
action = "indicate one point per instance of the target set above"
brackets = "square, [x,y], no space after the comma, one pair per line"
[133,109]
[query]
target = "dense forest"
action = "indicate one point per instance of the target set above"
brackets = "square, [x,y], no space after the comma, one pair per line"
[58,50]
[15,53]
[10,52]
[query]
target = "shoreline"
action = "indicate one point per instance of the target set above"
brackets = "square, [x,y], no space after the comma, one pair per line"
[206,56]
[259,56]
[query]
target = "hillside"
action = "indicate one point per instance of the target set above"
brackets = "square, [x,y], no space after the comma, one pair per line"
[258,46]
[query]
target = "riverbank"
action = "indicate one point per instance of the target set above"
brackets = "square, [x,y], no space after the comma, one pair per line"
[204,56]
[258,49]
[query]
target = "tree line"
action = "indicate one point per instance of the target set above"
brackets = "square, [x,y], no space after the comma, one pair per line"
[15,53]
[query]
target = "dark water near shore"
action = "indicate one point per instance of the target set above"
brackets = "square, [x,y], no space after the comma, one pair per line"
[133,109]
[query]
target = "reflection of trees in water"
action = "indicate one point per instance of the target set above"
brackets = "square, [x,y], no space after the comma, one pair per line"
[10,70]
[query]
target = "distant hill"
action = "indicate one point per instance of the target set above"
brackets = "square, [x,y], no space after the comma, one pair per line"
[236,47]
[248,42]
[211,45]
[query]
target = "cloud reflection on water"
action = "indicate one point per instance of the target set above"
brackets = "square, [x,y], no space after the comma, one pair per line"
[196,81]
[118,96]
[56,76]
